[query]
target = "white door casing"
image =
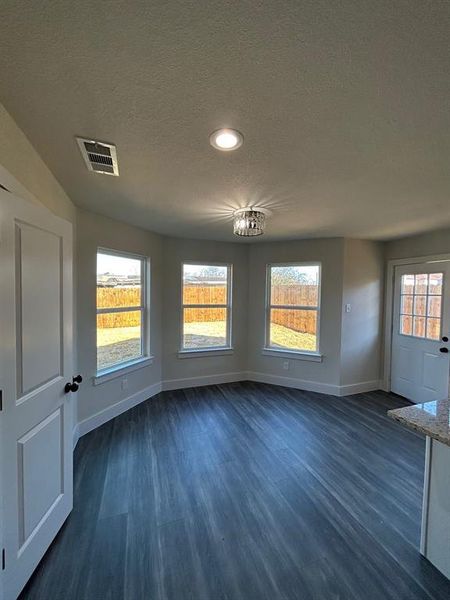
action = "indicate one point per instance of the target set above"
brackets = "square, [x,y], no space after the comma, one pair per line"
[421,318]
[36,360]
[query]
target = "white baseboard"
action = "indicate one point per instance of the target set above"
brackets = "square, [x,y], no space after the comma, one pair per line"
[116,409]
[292,382]
[315,386]
[360,388]
[176,384]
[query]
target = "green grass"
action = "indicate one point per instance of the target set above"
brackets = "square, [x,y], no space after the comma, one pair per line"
[117,344]
[288,338]
[123,343]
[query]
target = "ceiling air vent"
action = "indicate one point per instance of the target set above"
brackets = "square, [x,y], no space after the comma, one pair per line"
[100,157]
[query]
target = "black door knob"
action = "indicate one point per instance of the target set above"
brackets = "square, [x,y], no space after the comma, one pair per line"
[73,387]
[444,350]
[445,338]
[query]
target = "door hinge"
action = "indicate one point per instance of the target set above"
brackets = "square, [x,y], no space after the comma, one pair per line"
[3,559]
[1,400]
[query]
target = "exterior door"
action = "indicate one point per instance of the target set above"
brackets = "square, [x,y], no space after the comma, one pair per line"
[421,330]
[35,363]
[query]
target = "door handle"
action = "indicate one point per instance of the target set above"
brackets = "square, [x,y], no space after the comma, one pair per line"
[74,386]
[445,338]
[444,350]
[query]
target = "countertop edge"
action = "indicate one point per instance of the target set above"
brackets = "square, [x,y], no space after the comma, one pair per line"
[407,422]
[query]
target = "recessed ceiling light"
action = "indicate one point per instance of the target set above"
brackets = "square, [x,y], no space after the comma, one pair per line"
[226,139]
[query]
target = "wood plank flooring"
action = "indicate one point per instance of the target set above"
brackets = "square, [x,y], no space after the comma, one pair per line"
[245,491]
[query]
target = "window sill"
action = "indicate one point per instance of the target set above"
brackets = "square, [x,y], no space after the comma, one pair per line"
[203,352]
[293,355]
[123,369]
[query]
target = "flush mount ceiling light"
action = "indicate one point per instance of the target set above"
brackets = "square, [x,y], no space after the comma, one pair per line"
[226,139]
[250,221]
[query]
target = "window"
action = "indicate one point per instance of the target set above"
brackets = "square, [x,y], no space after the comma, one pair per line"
[420,305]
[121,309]
[293,307]
[206,307]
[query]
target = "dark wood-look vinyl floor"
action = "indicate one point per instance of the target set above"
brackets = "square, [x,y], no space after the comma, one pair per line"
[245,491]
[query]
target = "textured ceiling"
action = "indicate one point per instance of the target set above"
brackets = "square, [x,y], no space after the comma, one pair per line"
[344,107]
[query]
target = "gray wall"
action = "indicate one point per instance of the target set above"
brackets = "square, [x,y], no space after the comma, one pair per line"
[362,326]
[436,242]
[330,253]
[176,251]
[18,156]
[95,231]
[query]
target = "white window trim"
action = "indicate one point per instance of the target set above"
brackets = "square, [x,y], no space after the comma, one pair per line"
[124,368]
[285,352]
[293,354]
[210,350]
[202,352]
[145,358]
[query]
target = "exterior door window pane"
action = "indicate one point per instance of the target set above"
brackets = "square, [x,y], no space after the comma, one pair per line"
[419,327]
[433,329]
[434,306]
[407,305]
[435,284]
[420,305]
[406,324]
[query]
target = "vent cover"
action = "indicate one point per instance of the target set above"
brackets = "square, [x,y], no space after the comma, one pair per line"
[99,157]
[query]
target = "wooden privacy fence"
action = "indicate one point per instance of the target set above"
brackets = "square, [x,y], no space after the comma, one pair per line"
[115,298]
[298,320]
[303,321]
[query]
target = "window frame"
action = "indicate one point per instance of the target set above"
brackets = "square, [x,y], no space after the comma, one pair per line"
[145,357]
[212,350]
[288,352]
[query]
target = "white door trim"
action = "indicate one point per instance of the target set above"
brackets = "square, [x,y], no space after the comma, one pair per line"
[389,307]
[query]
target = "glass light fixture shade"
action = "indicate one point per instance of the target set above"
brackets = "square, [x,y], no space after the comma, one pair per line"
[226,140]
[249,222]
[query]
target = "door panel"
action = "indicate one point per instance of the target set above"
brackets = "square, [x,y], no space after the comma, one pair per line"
[40,452]
[431,371]
[36,360]
[419,370]
[404,358]
[39,336]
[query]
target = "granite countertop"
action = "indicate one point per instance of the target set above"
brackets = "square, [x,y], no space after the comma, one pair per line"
[430,418]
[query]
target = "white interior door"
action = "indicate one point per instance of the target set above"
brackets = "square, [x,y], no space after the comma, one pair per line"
[421,330]
[35,363]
